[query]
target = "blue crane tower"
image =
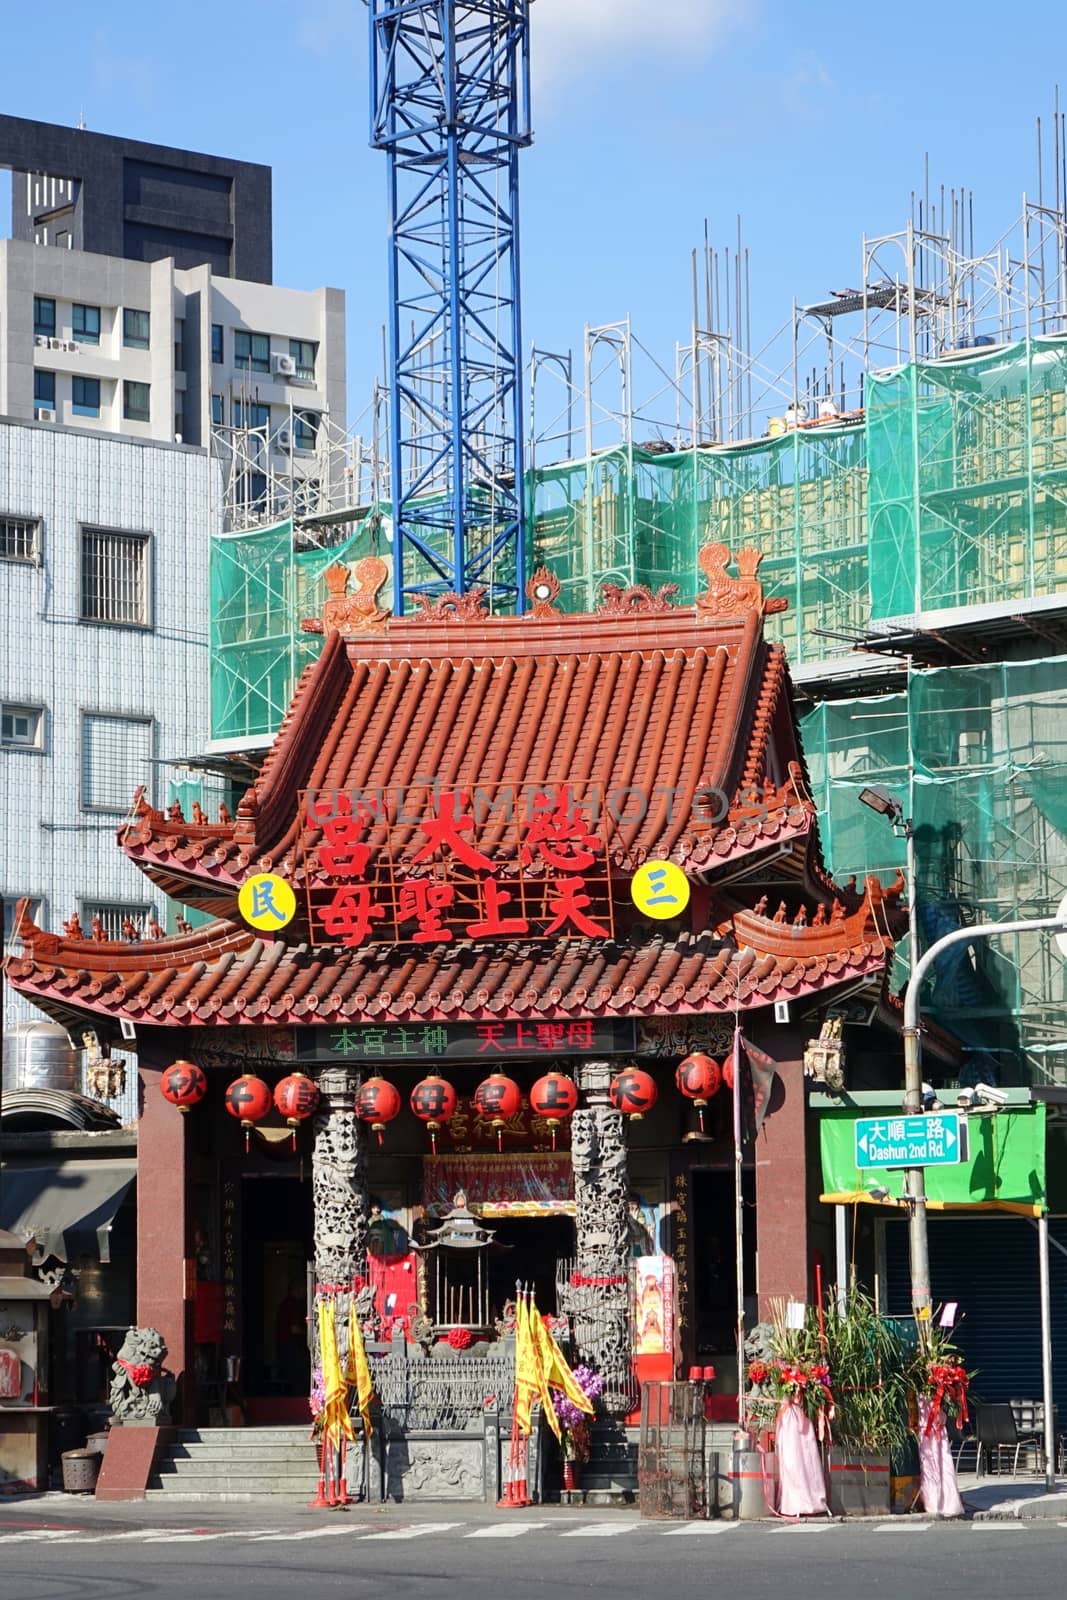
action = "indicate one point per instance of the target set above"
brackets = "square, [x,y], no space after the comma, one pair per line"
[450,98]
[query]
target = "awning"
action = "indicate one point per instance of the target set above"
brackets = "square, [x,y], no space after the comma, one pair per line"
[1005,1170]
[68,1206]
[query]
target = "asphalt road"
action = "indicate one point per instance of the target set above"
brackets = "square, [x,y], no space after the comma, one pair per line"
[246,1553]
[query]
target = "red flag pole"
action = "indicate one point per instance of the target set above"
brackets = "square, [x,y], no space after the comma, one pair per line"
[739,1219]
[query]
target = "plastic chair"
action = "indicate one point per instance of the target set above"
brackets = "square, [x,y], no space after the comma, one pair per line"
[997,1432]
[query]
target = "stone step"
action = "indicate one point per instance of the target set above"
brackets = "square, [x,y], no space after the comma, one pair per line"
[194,1466]
[224,1451]
[210,1485]
[249,1436]
[257,1496]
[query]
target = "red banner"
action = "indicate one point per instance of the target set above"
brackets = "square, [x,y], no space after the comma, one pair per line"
[500,1185]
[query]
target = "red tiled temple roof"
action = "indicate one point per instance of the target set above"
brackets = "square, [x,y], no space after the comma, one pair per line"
[642,695]
[225,975]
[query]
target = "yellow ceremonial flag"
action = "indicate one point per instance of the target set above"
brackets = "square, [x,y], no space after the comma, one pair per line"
[527,1383]
[556,1367]
[537,1332]
[336,1423]
[357,1368]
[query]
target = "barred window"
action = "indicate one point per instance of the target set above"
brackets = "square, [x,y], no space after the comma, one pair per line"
[19,538]
[112,914]
[115,578]
[116,760]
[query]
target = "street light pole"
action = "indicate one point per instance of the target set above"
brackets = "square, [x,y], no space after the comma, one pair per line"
[915,1177]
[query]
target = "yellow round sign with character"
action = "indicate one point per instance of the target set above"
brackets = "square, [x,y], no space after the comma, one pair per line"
[266,902]
[660,889]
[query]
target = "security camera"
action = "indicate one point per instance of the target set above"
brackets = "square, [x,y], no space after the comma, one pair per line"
[930,1100]
[877,1192]
[965,1099]
[991,1095]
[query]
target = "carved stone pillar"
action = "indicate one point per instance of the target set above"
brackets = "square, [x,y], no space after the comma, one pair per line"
[599,1300]
[338,1177]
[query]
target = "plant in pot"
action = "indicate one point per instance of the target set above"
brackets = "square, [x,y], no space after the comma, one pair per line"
[868,1360]
[575,1436]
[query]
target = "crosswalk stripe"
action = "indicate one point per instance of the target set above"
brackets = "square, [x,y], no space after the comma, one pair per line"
[511,1530]
[1018,1526]
[905,1525]
[310,1533]
[600,1530]
[41,1534]
[416,1532]
[702,1527]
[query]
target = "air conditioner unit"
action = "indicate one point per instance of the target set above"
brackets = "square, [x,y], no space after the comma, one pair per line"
[41,341]
[72,344]
[45,414]
[57,344]
[283,439]
[285,366]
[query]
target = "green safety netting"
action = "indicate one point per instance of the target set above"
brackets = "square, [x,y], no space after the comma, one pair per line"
[262,587]
[978,756]
[1003,1171]
[968,473]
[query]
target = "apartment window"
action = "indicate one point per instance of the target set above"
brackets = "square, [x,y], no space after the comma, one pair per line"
[217,416]
[21,727]
[116,760]
[251,351]
[35,907]
[19,538]
[44,392]
[250,414]
[135,398]
[304,352]
[218,344]
[115,916]
[44,317]
[85,322]
[305,429]
[114,578]
[85,397]
[179,344]
[135,329]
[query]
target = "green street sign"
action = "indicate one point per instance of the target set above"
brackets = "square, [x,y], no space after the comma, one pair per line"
[934,1140]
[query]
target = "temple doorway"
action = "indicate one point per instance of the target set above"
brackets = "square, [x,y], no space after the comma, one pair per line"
[536,1245]
[714,1262]
[276,1252]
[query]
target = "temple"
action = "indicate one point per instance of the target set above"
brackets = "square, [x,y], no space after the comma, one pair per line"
[456,864]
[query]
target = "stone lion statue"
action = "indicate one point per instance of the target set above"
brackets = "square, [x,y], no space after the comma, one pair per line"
[141,1391]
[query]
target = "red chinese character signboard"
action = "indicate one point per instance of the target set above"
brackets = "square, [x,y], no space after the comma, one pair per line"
[430,864]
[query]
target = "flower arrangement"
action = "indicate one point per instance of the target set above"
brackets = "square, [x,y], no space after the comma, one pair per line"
[939,1377]
[574,1423]
[316,1401]
[459,1338]
[778,1380]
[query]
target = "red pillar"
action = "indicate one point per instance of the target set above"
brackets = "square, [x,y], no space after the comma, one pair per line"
[166,1277]
[782,1194]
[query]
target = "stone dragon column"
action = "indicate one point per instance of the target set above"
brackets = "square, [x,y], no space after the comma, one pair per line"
[599,1296]
[338,1177]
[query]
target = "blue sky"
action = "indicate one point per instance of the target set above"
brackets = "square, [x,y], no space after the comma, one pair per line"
[810,118]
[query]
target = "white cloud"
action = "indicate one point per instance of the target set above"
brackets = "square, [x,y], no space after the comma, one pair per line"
[572,37]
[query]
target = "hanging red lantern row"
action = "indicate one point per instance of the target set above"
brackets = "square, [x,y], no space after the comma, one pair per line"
[698,1078]
[184,1084]
[633,1092]
[378,1102]
[250,1100]
[433,1100]
[297,1098]
[497,1099]
[554,1097]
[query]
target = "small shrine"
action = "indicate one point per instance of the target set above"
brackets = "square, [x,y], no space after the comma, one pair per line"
[457,1288]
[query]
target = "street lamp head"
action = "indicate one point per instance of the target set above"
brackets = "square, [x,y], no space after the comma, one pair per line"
[879,800]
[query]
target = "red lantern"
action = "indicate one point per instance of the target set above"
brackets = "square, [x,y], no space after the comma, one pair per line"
[633,1092]
[250,1100]
[496,1099]
[378,1102]
[554,1097]
[728,1072]
[297,1099]
[184,1084]
[698,1077]
[433,1101]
